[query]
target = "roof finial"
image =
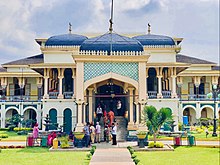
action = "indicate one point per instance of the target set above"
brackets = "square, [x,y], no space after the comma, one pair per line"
[111,19]
[149,28]
[70,28]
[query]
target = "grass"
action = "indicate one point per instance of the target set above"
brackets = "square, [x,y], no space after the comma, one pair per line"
[181,156]
[42,156]
[13,136]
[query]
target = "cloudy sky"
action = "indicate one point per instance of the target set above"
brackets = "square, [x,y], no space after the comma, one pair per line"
[21,21]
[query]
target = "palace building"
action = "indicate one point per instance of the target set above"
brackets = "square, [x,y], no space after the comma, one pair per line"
[75,73]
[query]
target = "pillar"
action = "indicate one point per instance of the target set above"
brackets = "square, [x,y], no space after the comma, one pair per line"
[90,103]
[159,94]
[46,78]
[79,125]
[60,96]
[159,80]
[131,112]
[46,96]
[173,76]
[74,82]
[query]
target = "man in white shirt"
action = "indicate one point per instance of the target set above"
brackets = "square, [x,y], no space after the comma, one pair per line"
[99,112]
[98,132]
[114,133]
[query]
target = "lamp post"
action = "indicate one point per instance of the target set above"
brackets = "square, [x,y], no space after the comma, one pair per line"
[214,91]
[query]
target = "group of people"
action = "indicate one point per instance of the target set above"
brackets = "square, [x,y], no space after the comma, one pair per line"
[93,133]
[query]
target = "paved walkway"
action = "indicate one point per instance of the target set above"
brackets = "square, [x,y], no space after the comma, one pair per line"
[111,156]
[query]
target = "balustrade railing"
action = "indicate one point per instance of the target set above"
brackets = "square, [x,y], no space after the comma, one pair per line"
[195,97]
[166,94]
[53,95]
[68,95]
[24,98]
[152,94]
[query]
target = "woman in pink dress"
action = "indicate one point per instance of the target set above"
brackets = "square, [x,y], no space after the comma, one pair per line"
[35,132]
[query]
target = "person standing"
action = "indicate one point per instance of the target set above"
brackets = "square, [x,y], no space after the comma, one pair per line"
[99,112]
[35,133]
[98,132]
[111,116]
[119,107]
[87,133]
[92,131]
[114,133]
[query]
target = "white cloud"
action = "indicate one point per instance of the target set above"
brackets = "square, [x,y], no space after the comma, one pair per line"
[16,36]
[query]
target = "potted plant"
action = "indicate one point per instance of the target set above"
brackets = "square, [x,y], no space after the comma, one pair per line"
[79,135]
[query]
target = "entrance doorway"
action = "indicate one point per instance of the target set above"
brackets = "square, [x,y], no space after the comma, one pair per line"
[111,97]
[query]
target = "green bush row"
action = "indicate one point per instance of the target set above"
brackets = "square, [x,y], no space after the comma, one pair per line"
[3,136]
[4,129]
[22,129]
[157,145]
[133,156]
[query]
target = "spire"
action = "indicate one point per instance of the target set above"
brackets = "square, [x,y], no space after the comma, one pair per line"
[149,28]
[111,19]
[70,28]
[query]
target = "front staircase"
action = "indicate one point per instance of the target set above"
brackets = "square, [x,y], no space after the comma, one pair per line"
[121,123]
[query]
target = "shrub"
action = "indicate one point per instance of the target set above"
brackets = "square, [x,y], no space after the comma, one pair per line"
[94,147]
[131,151]
[200,130]
[159,145]
[4,129]
[22,129]
[151,145]
[22,132]
[3,136]
[210,128]
[129,147]
[136,160]
[133,156]
[92,151]
[89,155]
[64,142]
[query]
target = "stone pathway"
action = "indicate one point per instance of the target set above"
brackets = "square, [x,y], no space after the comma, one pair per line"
[111,156]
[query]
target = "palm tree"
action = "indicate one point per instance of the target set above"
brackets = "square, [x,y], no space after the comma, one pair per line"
[155,119]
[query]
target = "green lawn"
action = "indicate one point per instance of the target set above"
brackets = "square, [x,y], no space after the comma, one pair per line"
[181,156]
[41,156]
[13,136]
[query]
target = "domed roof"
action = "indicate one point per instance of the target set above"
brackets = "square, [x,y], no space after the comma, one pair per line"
[66,40]
[150,39]
[111,42]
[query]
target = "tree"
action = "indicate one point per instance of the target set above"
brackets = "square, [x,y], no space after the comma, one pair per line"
[154,119]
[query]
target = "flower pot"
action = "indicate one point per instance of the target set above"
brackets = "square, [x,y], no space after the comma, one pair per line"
[79,136]
[141,136]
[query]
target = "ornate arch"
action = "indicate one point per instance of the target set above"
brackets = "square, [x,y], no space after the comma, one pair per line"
[108,76]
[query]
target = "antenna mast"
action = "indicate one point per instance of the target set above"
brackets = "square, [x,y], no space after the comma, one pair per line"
[111,19]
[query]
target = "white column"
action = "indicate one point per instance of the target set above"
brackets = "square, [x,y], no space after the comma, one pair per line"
[60,96]
[90,103]
[142,81]
[174,95]
[137,113]
[79,125]
[173,77]
[159,94]
[46,96]
[131,112]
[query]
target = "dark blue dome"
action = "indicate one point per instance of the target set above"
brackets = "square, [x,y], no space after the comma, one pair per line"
[66,40]
[150,39]
[111,42]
